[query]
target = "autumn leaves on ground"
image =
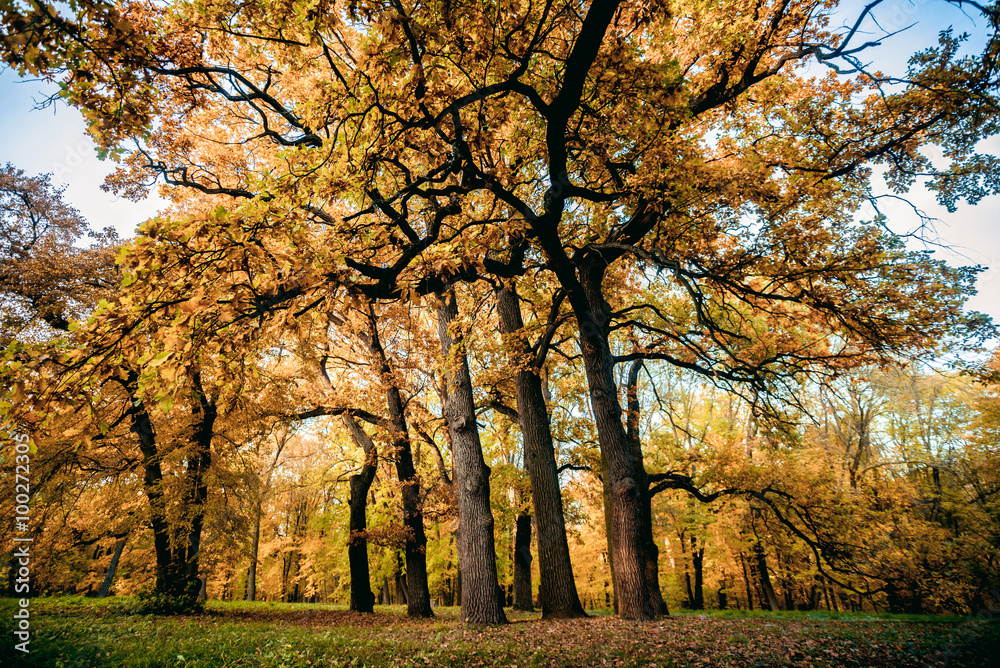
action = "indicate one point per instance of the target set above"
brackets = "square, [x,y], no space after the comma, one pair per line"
[78,633]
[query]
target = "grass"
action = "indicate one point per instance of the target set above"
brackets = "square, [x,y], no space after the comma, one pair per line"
[79,632]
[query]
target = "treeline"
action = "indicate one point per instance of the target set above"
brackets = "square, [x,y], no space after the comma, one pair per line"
[465,273]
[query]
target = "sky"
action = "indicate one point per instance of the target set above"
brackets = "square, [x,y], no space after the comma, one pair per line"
[53,141]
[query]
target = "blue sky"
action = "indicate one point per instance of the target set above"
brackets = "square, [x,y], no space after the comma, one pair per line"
[53,140]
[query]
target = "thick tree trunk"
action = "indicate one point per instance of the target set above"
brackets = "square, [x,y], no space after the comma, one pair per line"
[418,598]
[481,602]
[557,587]
[362,599]
[522,564]
[651,552]
[109,576]
[593,315]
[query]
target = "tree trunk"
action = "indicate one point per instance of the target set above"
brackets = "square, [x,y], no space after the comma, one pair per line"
[593,315]
[697,561]
[109,576]
[417,596]
[651,552]
[362,599]
[254,551]
[152,485]
[481,602]
[522,564]
[205,413]
[558,596]
[746,581]
[609,531]
[765,577]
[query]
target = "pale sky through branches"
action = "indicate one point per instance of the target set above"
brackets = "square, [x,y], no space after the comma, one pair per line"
[53,141]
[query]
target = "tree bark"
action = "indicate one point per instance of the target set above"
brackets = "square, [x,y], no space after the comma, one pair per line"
[522,564]
[481,602]
[362,599]
[765,577]
[651,552]
[418,598]
[109,576]
[697,562]
[152,485]
[254,551]
[558,596]
[205,413]
[593,315]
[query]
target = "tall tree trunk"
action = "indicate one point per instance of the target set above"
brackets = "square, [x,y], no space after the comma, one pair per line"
[109,576]
[697,562]
[557,587]
[522,564]
[418,598]
[152,485]
[362,599]
[765,576]
[254,551]
[205,413]
[746,581]
[481,602]
[593,315]
[651,552]
[582,278]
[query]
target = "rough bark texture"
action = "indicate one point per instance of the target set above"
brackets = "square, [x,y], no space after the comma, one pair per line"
[109,576]
[651,552]
[418,598]
[362,599]
[558,596]
[593,317]
[522,564]
[481,600]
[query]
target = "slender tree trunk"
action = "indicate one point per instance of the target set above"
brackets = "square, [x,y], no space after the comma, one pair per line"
[522,564]
[152,485]
[697,562]
[205,414]
[481,602]
[746,581]
[362,599]
[418,598]
[765,577]
[254,551]
[109,576]
[558,596]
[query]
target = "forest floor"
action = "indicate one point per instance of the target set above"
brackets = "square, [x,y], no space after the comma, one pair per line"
[75,632]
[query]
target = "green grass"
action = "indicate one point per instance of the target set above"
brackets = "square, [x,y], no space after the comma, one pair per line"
[112,633]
